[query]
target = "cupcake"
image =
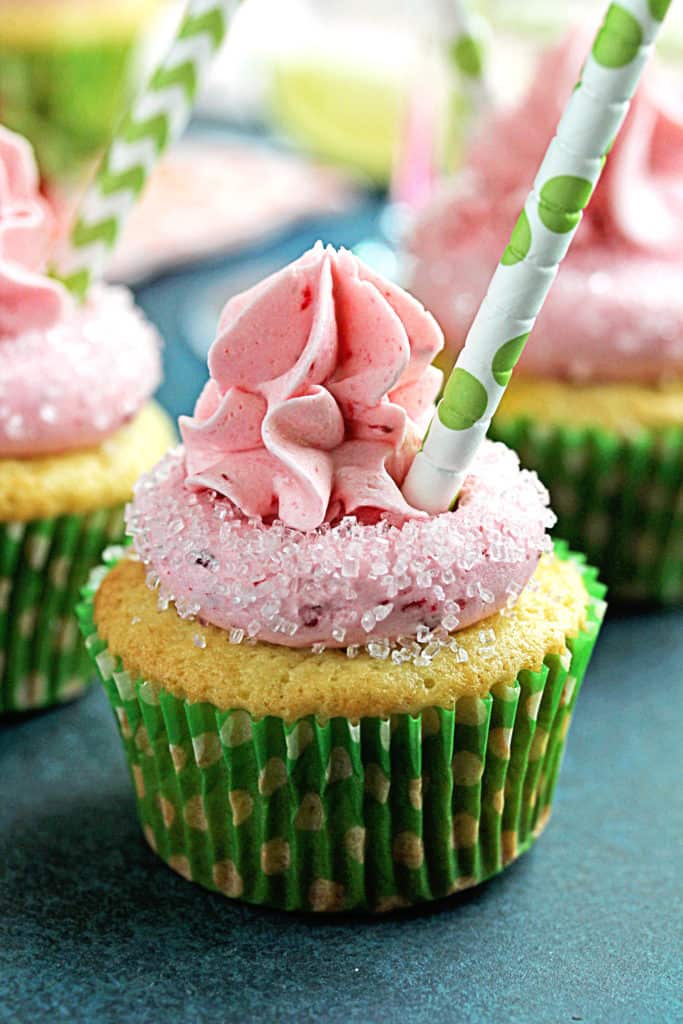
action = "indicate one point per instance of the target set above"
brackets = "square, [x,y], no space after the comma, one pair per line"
[328,699]
[596,405]
[65,70]
[76,429]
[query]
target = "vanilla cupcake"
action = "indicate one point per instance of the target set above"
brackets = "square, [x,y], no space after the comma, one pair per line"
[76,429]
[596,404]
[330,700]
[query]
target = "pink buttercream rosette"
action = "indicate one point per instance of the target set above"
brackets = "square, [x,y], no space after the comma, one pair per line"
[70,374]
[28,299]
[321,386]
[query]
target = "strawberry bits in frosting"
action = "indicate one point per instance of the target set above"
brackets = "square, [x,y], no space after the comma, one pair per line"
[69,375]
[282,519]
[320,385]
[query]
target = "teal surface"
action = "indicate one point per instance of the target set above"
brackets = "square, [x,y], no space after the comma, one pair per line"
[585,927]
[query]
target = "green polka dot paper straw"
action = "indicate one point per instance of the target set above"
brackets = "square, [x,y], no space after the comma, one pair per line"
[539,241]
[158,117]
[464,33]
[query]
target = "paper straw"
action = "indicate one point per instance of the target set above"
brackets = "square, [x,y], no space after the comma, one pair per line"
[158,117]
[539,241]
[464,32]
[415,170]
[415,166]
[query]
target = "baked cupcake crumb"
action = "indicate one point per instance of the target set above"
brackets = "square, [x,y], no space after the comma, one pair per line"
[292,682]
[84,479]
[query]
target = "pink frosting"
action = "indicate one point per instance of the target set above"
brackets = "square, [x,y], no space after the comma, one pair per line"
[28,299]
[616,308]
[349,583]
[320,389]
[73,384]
[69,374]
[282,519]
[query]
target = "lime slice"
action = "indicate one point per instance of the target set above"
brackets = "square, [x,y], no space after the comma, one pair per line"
[341,114]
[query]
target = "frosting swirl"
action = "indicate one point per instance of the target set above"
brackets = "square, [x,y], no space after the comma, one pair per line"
[70,374]
[320,388]
[616,308]
[28,299]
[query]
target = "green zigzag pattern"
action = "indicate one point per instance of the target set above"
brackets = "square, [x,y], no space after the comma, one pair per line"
[212,22]
[156,128]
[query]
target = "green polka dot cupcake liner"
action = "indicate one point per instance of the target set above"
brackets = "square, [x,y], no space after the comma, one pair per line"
[340,815]
[618,499]
[44,564]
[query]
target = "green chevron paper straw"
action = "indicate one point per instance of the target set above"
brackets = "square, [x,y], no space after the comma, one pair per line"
[539,241]
[157,117]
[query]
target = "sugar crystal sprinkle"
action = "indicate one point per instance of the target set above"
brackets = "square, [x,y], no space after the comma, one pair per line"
[75,397]
[395,590]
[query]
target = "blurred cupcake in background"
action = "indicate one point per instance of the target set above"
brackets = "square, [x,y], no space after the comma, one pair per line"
[596,404]
[65,73]
[76,429]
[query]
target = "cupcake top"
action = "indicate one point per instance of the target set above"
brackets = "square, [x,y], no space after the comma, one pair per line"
[321,387]
[616,309]
[282,519]
[70,375]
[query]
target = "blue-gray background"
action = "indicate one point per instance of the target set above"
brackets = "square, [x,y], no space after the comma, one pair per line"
[586,927]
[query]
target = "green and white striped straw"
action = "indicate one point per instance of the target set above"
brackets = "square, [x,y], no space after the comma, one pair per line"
[539,241]
[158,117]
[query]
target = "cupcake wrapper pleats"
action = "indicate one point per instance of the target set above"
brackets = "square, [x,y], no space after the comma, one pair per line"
[342,815]
[618,499]
[43,567]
